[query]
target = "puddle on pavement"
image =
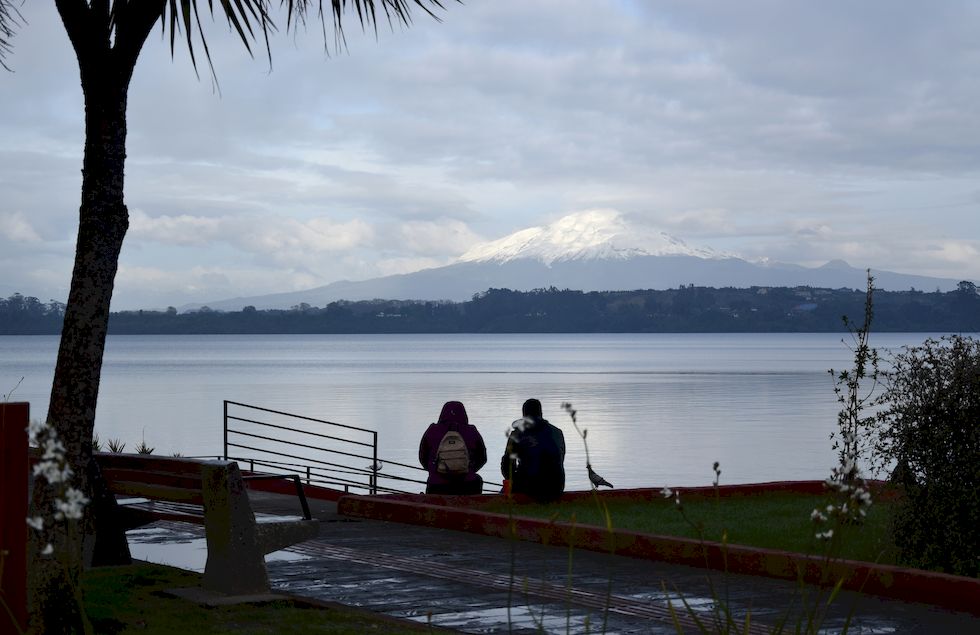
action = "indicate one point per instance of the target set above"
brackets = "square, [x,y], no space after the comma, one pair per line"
[860,629]
[532,619]
[183,549]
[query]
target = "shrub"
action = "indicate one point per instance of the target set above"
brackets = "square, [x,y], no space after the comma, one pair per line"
[929,428]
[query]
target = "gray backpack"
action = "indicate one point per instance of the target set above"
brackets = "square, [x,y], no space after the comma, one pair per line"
[452,457]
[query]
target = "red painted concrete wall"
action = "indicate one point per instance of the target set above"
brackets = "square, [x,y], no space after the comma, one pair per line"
[13,511]
[287,487]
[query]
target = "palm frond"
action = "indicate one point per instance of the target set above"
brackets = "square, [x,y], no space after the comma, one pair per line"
[10,19]
[251,19]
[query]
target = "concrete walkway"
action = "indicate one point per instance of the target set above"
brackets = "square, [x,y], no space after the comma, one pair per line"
[478,584]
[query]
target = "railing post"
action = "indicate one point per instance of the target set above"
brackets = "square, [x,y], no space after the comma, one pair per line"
[307,474]
[374,466]
[14,418]
[226,429]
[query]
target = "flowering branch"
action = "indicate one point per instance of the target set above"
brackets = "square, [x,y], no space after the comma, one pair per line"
[69,502]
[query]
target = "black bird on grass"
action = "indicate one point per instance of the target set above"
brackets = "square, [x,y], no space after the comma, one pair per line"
[595,478]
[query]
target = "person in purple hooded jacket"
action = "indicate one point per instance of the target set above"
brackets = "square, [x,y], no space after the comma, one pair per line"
[447,475]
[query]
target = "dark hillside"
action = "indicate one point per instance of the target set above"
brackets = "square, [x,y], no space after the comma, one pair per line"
[688,309]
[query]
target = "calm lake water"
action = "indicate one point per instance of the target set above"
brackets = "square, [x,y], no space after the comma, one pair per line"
[659,408]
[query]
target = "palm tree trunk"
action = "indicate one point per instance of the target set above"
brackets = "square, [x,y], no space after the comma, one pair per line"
[106,66]
[103,221]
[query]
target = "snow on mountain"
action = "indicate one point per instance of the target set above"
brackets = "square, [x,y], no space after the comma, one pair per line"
[598,234]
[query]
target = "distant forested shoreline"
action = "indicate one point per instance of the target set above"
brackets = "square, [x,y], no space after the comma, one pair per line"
[688,309]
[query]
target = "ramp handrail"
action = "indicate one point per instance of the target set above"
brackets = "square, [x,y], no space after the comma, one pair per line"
[317,449]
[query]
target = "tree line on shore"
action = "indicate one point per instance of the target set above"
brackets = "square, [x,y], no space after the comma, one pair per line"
[685,309]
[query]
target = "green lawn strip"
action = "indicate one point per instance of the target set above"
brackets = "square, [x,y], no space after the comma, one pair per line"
[132,599]
[776,520]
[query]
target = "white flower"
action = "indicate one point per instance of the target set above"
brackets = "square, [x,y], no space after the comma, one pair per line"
[68,510]
[667,493]
[52,472]
[36,523]
[48,550]
[34,428]
[53,449]
[72,504]
[817,517]
[825,535]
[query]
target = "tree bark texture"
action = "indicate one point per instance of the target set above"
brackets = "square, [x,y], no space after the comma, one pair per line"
[106,61]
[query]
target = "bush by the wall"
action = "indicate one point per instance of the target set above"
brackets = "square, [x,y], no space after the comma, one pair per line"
[929,426]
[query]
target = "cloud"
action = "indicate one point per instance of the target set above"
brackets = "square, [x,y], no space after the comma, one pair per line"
[173,230]
[16,228]
[275,237]
[813,230]
[445,237]
[960,252]
[280,236]
[702,222]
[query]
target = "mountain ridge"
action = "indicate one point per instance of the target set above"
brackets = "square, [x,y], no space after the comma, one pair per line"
[595,250]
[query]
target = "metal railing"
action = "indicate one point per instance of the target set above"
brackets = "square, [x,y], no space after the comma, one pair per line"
[321,452]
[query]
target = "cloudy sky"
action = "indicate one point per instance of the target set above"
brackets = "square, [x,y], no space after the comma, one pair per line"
[798,131]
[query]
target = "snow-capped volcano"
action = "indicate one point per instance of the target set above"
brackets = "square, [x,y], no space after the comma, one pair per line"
[597,250]
[590,235]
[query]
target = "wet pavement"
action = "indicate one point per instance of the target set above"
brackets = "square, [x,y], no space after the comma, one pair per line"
[480,584]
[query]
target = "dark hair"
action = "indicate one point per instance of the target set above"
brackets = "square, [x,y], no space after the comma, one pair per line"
[532,408]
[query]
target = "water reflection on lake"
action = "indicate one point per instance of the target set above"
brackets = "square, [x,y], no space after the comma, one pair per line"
[659,408]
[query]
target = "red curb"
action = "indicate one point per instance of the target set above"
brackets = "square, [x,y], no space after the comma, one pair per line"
[878,488]
[287,487]
[456,512]
[724,491]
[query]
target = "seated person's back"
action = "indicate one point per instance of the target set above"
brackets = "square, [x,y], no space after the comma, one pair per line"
[535,455]
[442,480]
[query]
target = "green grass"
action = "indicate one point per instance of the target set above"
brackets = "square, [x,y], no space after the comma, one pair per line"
[132,599]
[775,520]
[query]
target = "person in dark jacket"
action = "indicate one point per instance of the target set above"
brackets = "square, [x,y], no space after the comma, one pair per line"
[444,479]
[535,456]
